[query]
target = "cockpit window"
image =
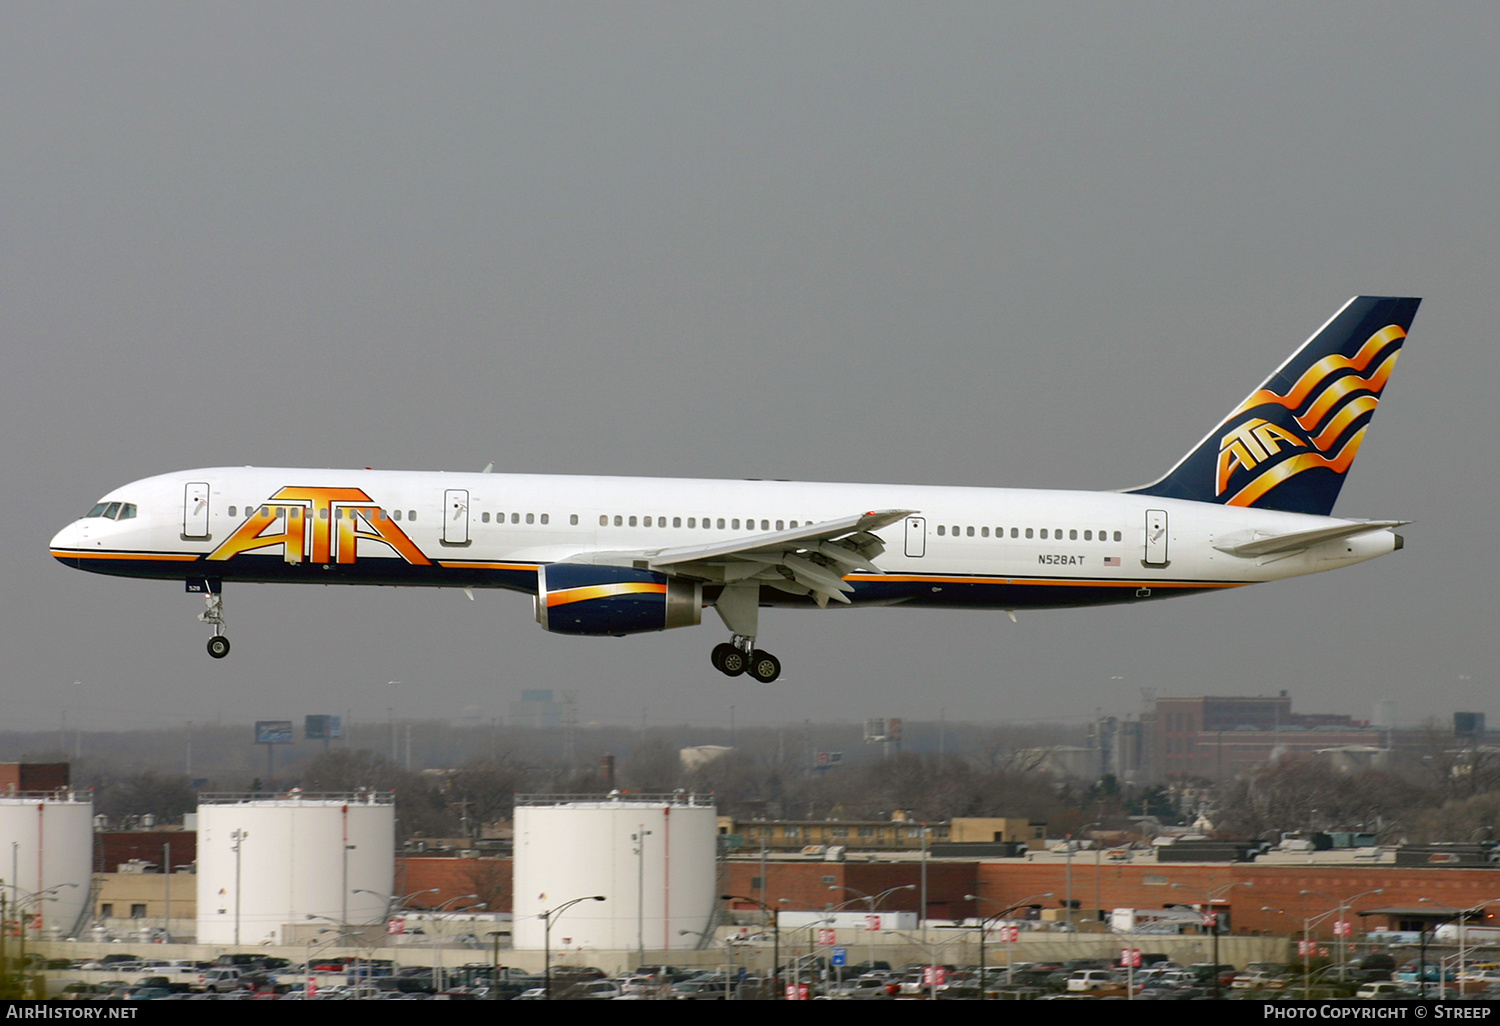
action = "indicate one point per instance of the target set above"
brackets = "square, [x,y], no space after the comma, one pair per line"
[114,510]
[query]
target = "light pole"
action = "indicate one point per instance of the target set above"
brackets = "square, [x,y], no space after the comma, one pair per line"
[238,836]
[548,917]
[775,940]
[1307,946]
[873,901]
[639,837]
[1461,915]
[391,712]
[1342,923]
[984,926]
[1211,920]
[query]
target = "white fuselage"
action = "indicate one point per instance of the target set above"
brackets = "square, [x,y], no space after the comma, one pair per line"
[971,547]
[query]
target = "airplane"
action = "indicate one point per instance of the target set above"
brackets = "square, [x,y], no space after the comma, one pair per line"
[615,556]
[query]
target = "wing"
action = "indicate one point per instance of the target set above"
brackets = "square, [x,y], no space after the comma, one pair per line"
[807,560]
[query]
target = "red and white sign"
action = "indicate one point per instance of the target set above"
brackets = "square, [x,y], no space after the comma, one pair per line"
[827,938]
[796,992]
[1343,928]
[1130,957]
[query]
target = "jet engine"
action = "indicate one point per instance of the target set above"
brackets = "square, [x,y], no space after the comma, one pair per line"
[577,598]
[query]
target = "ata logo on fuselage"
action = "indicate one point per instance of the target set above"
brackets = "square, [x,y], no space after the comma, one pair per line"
[323,525]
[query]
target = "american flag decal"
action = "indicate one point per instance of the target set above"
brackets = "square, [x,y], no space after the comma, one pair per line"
[1111,560]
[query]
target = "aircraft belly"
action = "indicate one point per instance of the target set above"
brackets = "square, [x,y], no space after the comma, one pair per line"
[1010,593]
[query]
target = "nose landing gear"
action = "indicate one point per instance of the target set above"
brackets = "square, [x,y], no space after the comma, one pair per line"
[218,645]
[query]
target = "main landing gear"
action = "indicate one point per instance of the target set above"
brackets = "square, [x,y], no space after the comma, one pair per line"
[741,656]
[218,645]
[738,605]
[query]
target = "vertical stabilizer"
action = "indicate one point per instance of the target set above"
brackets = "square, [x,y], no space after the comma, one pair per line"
[1290,443]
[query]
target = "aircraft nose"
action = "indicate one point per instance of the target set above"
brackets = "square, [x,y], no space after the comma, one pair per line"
[69,537]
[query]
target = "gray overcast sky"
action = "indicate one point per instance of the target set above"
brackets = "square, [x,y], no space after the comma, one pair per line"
[999,244]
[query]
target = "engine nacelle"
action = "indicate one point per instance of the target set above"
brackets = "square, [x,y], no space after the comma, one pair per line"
[578,598]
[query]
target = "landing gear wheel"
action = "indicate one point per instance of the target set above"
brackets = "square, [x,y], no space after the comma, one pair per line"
[764,667]
[218,647]
[728,660]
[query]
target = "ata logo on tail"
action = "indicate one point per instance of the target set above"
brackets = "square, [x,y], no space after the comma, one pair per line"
[1335,379]
[325,525]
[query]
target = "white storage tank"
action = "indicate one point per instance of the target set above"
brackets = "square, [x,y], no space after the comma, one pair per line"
[267,864]
[46,851]
[566,849]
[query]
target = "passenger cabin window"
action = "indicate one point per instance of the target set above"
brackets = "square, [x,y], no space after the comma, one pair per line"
[573,519]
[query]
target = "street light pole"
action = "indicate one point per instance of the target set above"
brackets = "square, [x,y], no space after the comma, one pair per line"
[238,836]
[548,917]
[639,837]
[775,939]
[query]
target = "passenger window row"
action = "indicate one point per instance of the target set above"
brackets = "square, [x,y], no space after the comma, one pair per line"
[694,523]
[295,513]
[1044,533]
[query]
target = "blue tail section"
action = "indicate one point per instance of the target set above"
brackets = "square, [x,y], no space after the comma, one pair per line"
[1290,443]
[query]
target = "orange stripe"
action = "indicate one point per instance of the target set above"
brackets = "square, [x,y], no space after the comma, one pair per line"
[1296,465]
[1341,420]
[487,566]
[71,554]
[571,595]
[1349,383]
[1321,370]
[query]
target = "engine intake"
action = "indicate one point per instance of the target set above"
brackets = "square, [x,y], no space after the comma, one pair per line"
[574,598]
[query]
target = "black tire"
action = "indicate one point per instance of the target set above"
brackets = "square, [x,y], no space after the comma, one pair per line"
[717,656]
[218,647]
[764,667]
[730,660]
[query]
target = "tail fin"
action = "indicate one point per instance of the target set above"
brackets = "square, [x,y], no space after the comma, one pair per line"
[1288,445]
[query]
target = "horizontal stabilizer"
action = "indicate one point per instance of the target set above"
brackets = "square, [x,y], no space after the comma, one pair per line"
[1306,539]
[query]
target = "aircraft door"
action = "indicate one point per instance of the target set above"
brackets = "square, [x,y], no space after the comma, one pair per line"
[916,536]
[456,516]
[195,510]
[1156,538]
